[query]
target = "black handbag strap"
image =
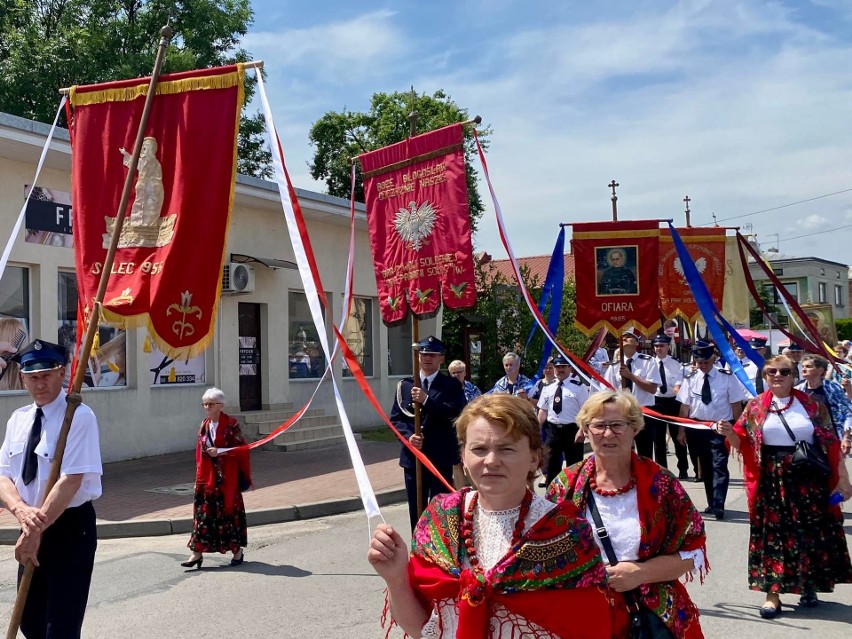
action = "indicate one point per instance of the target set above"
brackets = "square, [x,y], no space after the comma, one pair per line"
[630,596]
[787,426]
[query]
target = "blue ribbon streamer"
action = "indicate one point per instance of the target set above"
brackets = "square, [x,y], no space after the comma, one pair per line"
[710,313]
[554,284]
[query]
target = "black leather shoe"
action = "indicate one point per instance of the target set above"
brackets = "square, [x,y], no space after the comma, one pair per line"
[719,513]
[193,562]
[809,600]
[709,511]
[683,476]
[769,611]
[236,561]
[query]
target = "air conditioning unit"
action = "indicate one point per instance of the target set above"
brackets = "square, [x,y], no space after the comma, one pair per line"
[237,278]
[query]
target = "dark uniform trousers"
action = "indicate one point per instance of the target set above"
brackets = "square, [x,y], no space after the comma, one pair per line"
[712,454]
[59,589]
[431,487]
[651,440]
[560,441]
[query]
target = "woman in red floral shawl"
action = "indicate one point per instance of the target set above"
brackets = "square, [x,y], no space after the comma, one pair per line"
[656,532]
[219,515]
[497,562]
[797,543]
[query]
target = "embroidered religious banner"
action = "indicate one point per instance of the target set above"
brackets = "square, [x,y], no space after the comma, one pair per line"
[735,299]
[707,248]
[419,224]
[168,268]
[615,269]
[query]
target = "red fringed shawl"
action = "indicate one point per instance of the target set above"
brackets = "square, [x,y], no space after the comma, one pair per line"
[750,429]
[553,578]
[230,465]
[668,524]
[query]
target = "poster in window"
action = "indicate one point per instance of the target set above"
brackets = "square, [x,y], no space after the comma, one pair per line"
[13,334]
[165,370]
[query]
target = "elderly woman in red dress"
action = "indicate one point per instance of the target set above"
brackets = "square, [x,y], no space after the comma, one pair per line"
[497,562]
[796,543]
[656,533]
[219,515]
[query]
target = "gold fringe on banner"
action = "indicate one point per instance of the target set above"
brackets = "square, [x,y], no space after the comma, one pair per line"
[170,87]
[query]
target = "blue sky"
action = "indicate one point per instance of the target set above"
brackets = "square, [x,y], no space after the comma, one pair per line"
[743,105]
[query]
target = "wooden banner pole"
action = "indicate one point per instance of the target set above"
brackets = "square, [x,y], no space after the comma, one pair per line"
[74,398]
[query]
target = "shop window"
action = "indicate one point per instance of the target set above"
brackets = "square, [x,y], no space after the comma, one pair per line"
[358,333]
[307,360]
[107,365]
[14,320]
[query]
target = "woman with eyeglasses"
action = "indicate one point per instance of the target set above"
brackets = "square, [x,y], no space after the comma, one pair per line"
[497,561]
[655,532]
[219,515]
[797,543]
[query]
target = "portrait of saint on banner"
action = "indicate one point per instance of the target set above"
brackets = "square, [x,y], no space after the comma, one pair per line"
[616,270]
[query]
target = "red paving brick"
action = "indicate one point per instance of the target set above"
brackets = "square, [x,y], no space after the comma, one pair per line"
[280,479]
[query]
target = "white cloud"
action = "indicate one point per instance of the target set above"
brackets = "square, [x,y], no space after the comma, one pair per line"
[338,51]
[813,221]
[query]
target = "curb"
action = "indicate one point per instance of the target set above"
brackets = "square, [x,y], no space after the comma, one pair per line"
[281,514]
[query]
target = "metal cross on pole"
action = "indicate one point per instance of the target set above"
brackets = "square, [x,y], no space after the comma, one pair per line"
[614,199]
[687,200]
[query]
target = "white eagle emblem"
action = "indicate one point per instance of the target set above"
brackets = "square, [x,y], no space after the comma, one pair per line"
[700,264]
[415,224]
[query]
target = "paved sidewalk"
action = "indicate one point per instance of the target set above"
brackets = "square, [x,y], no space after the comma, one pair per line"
[153,495]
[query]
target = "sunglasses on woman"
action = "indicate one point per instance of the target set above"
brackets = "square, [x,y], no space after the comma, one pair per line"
[783,372]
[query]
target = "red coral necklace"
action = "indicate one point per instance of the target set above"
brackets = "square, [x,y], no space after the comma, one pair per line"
[593,484]
[475,594]
[778,411]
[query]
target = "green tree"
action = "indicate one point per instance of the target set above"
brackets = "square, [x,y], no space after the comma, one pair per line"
[49,44]
[504,322]
[338,137]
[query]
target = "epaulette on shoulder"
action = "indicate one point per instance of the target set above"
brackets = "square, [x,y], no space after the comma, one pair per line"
[689,374]
[645,356]
[724,371]
[576,381]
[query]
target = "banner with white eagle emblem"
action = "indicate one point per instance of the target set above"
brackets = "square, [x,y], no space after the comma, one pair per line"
[419,223]
[707,248]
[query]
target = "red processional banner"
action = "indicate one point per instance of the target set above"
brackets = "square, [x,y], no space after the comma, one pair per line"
[615,266]
[167,272]
[419,223]
[707,248]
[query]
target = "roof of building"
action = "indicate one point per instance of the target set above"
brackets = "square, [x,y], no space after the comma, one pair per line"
[536,264]
[773,255]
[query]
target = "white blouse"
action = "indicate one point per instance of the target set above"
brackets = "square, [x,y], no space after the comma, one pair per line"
[620,517]
[774,433]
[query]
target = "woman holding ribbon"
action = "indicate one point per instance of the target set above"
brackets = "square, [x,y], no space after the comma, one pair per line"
[498,561]
[797,544]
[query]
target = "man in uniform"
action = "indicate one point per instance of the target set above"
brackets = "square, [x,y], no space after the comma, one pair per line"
[639,373]
[710,394]
[651,440]
[557,413]
[795,352]
[58,530]
[441,399]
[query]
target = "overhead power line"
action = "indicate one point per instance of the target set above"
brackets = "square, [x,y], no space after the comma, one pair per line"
[775,208]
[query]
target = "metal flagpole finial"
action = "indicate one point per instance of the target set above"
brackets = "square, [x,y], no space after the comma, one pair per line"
[613,185]
[687,199]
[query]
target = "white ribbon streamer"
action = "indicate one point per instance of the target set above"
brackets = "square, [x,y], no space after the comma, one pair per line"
[4,259]
[368,496]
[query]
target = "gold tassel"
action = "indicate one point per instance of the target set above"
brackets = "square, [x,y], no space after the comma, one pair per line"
[113,367]
[147,347]
[172,375]
[96,344]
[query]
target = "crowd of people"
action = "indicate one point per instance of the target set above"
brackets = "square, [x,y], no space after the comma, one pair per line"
[626,526]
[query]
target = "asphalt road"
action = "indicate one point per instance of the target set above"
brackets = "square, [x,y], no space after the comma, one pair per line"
[311,579]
